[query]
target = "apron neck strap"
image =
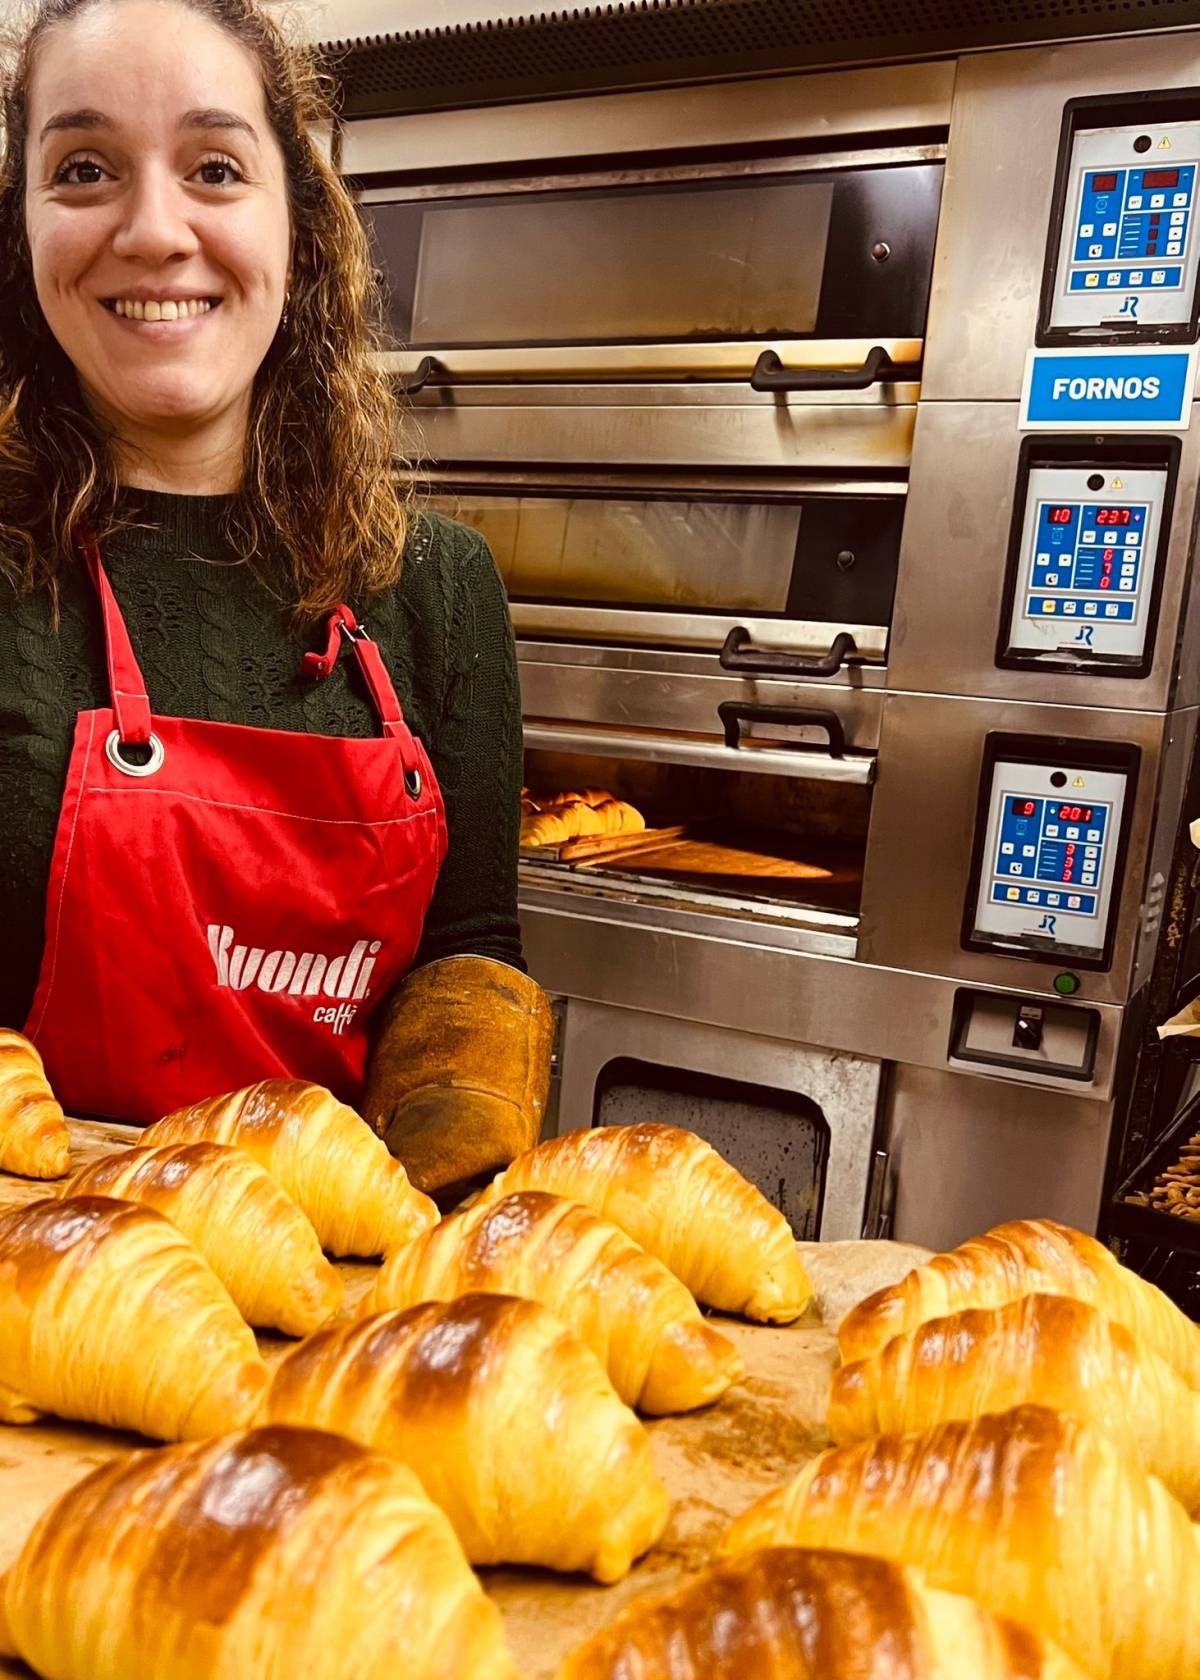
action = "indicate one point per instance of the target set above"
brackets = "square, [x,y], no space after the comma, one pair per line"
[126,685]
[342,626]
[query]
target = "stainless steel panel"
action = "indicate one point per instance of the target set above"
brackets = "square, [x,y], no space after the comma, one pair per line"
[954,549]
[1004,134]
[968,1154]
[687,909]
[617,364]
[885,100]
[922,827]
[625,957]
[682,629]
[1178,749]
[844,1088]
[661,426]
[800,763]
[631,690]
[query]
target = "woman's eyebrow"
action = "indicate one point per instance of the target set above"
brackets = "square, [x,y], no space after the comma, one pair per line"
[212,118]
[209,117]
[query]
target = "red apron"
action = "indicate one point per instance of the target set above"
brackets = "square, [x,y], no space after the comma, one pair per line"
[234,907]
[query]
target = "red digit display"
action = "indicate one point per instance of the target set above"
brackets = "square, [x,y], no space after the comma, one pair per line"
[1113,516]
[1106,183]
[1075,813]
[1157,178]
[1060,516]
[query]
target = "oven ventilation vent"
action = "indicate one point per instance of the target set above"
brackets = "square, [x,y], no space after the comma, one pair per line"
[654,41]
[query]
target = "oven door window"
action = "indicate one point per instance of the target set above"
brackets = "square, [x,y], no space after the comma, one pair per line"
[703,261]
[823,559]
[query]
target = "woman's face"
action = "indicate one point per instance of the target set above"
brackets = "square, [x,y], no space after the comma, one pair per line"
[156,212]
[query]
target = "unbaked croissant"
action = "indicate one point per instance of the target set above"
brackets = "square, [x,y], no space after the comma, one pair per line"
[109,1315]
[254,1237]
[265,1556]
[635,1316]
[34,1140]
[1043,1349]
[1035,1514]
[319,1151]
[672,1193]
[1026,1257]
[504,1415]
[786,1614]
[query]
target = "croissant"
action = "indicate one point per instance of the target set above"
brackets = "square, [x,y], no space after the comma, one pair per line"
[504,1415]
[319,1152]
[1025,1257]
[1045,1349]
[672,1193]
[638,1320]
[108,1314]
[34,1140]
[804,1615]
[262,1556]
[1037,1515]
[257,1241]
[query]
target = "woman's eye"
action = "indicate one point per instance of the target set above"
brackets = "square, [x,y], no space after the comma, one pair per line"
[79,172]
[219,172]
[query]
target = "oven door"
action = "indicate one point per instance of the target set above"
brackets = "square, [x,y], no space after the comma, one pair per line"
[603,316]
[755,577]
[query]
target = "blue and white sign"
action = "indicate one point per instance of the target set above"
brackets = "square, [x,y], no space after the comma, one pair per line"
[1121,389]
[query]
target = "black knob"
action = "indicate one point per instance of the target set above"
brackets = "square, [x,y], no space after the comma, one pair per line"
[844,559]
[1027,1028]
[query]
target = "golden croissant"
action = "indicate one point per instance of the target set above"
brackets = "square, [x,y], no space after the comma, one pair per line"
[1045,1349]
[254,1237]
[1038,1516]
[801,1615]
[34,1140]
[321,1153]
[635,1316]
[109,1315]
[260,1556]
[505,1416]
[1026,1257]
[672,1193]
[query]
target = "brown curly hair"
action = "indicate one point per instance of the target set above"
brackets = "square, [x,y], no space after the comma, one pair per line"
[319,512]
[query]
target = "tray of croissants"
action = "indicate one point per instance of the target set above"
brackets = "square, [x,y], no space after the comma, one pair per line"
[1000,1485]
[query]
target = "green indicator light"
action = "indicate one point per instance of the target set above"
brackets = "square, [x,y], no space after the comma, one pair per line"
[1065,984]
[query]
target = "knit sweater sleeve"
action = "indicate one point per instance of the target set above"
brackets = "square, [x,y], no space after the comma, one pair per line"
[476,751]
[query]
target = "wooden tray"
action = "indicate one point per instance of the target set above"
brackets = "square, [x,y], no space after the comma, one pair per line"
[714,1462]
[587,846]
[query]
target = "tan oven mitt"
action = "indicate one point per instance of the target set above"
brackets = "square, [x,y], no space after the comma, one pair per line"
[458,1080]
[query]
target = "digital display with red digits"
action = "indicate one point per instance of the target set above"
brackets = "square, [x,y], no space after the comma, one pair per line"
[1113,516]
[1105,183]
[1060,515]
[1074,814]
[1024,807]
[1160,178]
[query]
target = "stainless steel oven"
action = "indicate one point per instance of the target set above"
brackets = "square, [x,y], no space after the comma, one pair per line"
[901,695]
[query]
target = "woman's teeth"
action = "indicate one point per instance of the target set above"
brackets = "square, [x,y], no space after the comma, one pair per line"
[135,310]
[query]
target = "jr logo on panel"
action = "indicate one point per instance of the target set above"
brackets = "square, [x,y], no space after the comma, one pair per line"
[344,979]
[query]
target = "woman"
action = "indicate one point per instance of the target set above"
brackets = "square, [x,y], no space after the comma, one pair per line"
[260,735]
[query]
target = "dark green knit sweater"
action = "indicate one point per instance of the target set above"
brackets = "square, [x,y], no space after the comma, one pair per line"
[214,642]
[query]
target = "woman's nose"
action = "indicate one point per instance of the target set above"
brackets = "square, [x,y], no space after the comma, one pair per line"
[155,223]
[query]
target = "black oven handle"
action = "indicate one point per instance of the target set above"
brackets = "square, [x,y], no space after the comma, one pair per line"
[738,655]
[733,713]
[771,375]
[408,384]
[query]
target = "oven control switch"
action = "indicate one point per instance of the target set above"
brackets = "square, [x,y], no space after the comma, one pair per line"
[1027,1028]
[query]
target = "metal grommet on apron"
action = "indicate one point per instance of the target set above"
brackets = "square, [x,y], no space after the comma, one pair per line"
[235,907]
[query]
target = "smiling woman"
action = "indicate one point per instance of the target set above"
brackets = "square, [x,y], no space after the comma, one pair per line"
[197,506]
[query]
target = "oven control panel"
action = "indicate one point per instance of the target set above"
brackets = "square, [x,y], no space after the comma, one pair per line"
[1125,244]
[1086,559]
[1049,854]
